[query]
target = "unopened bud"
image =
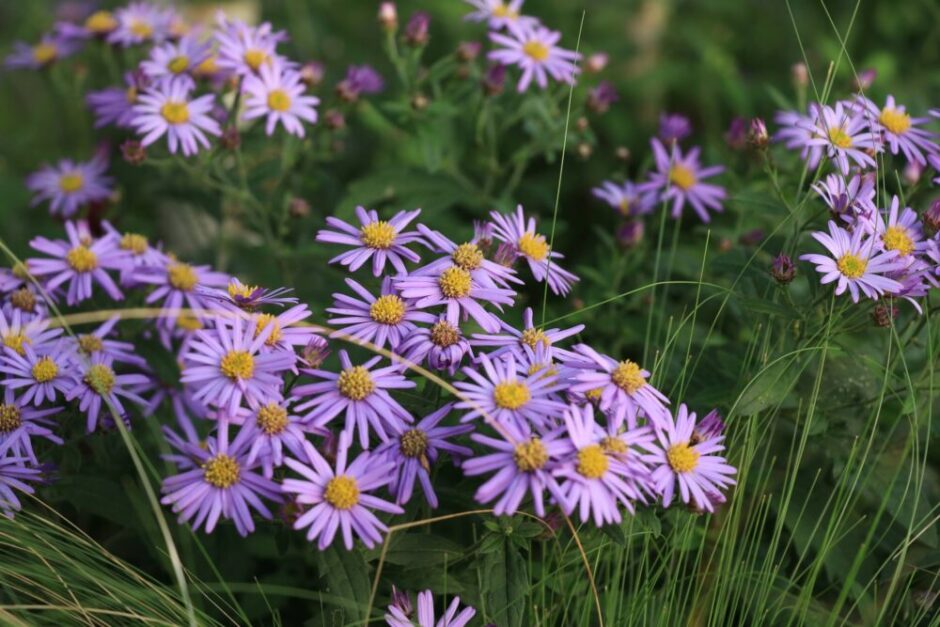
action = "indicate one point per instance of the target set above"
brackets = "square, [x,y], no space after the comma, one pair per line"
[757,134]
[468,50]
[231,139]
[388,16]
[299,208]
[883,315]
[334,119]
[932,216]
[419,102]
[782,270]
[596,62]
[133,152]
[311,73]
[417,30]
[800,75]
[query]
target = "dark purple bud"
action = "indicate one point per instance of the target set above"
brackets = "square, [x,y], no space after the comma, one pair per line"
[316,351]
[601,97]
[469,50]
[932,216]
[736,135]
[629,234]
[757,134]
[711,426]
[402,601]
[782,270]
[494,80]
[674,127]
[133,152]
[483,234]
[883,315]
[417,30]
[360,79]
[334,119]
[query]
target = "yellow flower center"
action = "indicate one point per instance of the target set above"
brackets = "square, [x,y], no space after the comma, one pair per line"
[355,383]
[100,378]
[530,455]
[254,58]
[272,419]
[614,445]
[141,29]
[178,64]
[534,246]
[90,344]
[278,100]
[895,121]
[237,365]
[221,471]
[188,322]
[44,53]
[342,492]
[10,418]
[15,341]
[852,266]
[682,457]
[444,334]
[208,67]
[45,370]
[467,256]
[839,138]
[71,182]
[531,337]
[379,234]
[511,394]
[101,22]
[628,376]
[175,112]
[81,259]
[388,309]
[592,462]
[263,321]
[135,243]
[681,176]
[454,282]
[896,238]
[240,290]
[182,276]
[131,95]
[624,206]
[536,50]
[414,443]
[23,299]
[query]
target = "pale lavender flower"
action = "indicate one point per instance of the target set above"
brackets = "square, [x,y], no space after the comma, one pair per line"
[678,179]
[51,48]
[42,372]
[276,428]
[899,130]
[452,617]
[97,384]
[375,239]
[15,474]
[468,256]
[843,134]
[244,49]
[176,59]
[499,14]
[278,93]
[442,345]
[515,340]
[625,198]
[167,109]
[852,199]
[533,48]
[178,287]
[286,332]
[386,319]
[69,185]
[798,131]
[360,79]
[115,105]
[19,424]
[139,22]
[899,230]
[18,331]
[674,127]
[97,341]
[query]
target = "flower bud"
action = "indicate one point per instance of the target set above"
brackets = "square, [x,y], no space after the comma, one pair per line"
[601,97]
[800,75]
[757,134]
[932,216]
[782,270]
[865,79]
[417,30]
[133,152]
[388,16]
[231,139]
[737,133]
[883,315]
[419,102]
[316,351]
[596,62]
[674,127]
[752,237]
[912,172]
[585,150]
[311,73]
[622,153]
[494,79]
[629,234]
[334,119]
[468,50]
[299,208]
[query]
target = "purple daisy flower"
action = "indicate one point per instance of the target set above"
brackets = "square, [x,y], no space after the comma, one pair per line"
[250,297]
[452,617]
[98,384]
[166,109]
[678,180]
[842,133]
[115,105]
[851,199]
[178,287]
[442,345]
[500,394]
[139,22]
[340,498]
[360,79]
[899,230]
[278,93]
[227,365]
[361,393]
[223,484]
[855,263]
[275,428]
[69,185]
[51,48]
[19,424]
[595,480]
[674,127]
[899,130]
[80,262]
[244,49]
[688,457]
[468,256]
[415,450]
[15,474]
[499,14]
[384,320]
[522,466]
[97,341]
[622,386]
[286,333]
[625,198]
[533,48]
[29,302]
[176,59]
[515,340]
[139,254]
[375,239]
[18,331]
[42,372]
[515,230]
[797,132]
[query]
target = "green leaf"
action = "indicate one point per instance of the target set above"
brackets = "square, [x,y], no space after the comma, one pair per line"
[506,585]
[770,387]
[422,550]
[347,580]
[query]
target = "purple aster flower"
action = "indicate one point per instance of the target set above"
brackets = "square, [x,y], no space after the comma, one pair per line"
[899,130]
[20,423]
[515,230]
[185,408]
[15,474]
[42,372]
[375,239]
[139,22]
[442,345]
[17,331]
[222,484]
[275,428]
[678,180]
[278,93]
[286,332]
[80,262]
[166,109]
[522,466]
[855,263]
[499,14]
[360,392]
[69,185]
[798,131]
[899,230]
[29,302]
[500,394]
[842,133]
[244,49]
[340,498]
[851,199]
[515,341]
[179,287]
[674,127]
[468,256]
[115,105]
[250,297]
[97,341]
[51,48]
[416,449]
[595,480]
[452,617]
[97,383]
[138,253]
[13,278]
[417,29]
[384,320]
[227,365]
[360,79]
[689,458]
[625,198]
[622,386]
[533,48]
[176,59]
